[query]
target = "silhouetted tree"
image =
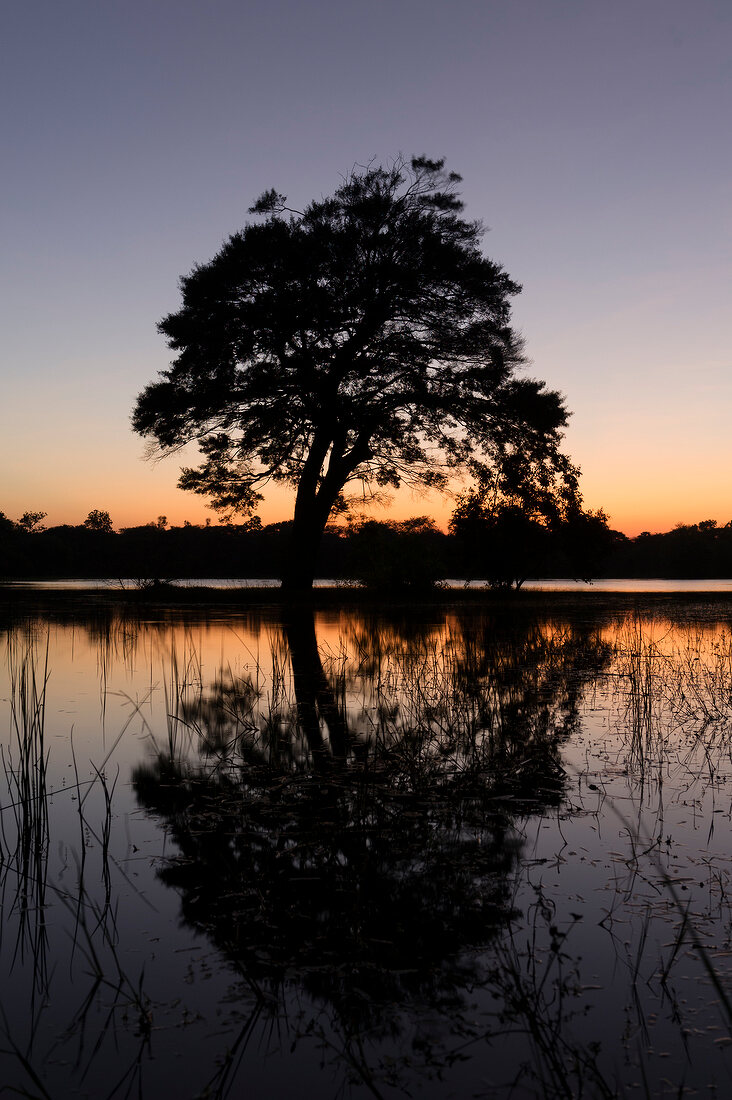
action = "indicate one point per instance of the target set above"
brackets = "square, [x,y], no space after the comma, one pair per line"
[365,338]
[524,517]
[507,523]
[31,521]
[587,542]
[504,545]
[98,521]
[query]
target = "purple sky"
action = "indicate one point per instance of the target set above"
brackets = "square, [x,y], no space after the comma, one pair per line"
[593,139]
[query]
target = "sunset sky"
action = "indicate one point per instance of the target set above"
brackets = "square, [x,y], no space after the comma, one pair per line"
[594,142]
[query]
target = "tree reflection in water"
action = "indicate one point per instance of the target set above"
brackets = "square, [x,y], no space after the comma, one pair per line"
[349,829]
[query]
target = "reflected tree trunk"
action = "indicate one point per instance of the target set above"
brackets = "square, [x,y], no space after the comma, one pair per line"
[316,701]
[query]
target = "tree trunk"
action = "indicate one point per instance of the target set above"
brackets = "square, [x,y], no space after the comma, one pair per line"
[316,496]
[298,572]
[314,695]
[312,510]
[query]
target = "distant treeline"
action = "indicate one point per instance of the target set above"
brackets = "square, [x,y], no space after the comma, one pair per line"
[382,554]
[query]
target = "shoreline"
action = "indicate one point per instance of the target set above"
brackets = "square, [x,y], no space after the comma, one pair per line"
[172,596]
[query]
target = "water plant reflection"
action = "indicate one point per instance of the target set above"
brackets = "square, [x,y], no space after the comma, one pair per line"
[25,841]
[347,829]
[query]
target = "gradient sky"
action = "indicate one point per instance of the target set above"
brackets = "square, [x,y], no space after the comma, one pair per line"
[593,138]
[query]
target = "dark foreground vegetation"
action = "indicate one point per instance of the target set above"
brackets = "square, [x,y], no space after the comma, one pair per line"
[383,555]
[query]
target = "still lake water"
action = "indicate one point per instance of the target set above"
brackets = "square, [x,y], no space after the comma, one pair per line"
[442,851]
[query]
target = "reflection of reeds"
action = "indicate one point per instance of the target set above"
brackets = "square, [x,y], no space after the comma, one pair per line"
[26,770]
[27,891]
[674,694]
[678,693]
[449,702]
[540,987]
[641,659]
[426,707]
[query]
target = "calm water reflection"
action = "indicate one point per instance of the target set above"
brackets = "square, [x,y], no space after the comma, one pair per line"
[435,851]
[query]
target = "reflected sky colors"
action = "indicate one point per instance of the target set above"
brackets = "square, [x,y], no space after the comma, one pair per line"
[592,138]
[377,852]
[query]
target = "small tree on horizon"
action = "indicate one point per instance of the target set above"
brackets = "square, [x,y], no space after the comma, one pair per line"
[32,521]
[364,339]
[98,520]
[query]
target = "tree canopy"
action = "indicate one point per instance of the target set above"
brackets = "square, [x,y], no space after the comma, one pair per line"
[365,339]
[98,520]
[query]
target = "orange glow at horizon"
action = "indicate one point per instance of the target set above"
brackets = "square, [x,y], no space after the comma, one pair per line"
[639,487]
[129,507]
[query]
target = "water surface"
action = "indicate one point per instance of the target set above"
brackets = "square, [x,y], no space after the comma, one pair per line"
[446,851]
